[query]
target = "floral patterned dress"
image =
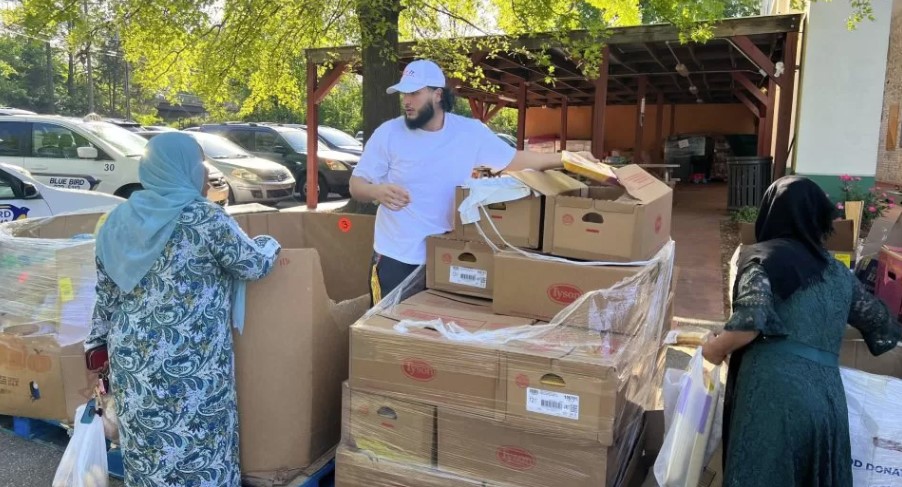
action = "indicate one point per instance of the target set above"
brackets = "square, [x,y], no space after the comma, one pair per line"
[785,410]
[171,356]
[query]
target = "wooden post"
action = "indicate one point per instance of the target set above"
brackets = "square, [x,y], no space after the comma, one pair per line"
[640,120]
[672,118]
[521,117]
[659,129]
[601,101]
[312,139]
[564,110]
[787,94]
[766,122]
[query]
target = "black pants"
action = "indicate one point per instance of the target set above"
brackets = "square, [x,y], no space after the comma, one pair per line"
[387,274]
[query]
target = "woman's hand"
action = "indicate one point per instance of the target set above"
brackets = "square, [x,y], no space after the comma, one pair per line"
[713,352]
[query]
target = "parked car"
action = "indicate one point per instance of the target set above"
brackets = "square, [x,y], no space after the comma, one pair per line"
[251,179]
[15,111]
[74,153]
[22,196]
[511,141]
[159,128]
[288,146]
[129,125]
[338,140]
[359,136]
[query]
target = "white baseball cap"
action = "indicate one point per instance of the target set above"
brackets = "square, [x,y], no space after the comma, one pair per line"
[418,75]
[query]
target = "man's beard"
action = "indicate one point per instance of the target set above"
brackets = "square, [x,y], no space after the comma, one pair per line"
[422,118]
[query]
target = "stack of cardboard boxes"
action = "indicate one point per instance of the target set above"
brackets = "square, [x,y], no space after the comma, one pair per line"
[515,368]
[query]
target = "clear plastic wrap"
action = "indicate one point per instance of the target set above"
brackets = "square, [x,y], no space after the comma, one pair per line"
[48,274]
[875,428]
[439,386]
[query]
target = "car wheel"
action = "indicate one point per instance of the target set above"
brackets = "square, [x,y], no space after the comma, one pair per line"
[127,191]
[323,194]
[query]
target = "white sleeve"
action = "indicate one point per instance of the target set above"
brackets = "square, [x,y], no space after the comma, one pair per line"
[373,164]
[492,152]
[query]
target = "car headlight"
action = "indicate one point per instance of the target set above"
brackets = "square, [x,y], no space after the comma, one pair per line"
[246,175]
[336,165]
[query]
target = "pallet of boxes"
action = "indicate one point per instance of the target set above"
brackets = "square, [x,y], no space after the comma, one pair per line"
[526,362]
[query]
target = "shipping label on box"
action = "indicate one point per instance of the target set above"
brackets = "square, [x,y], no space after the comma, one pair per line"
[629,223]
[460,267]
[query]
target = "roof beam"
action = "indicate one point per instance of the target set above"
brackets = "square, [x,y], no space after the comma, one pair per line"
[757,56]
[746,83]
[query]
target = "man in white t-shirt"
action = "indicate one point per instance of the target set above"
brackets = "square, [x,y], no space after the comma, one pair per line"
[412,165]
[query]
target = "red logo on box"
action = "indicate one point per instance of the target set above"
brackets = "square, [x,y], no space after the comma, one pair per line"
[515,458]
[567,219]
[419,370]
[563,293]
[522,381]
[659,222]
[344,224]
[446,258]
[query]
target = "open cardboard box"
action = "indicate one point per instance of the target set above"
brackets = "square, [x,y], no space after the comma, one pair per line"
[292,357]
[628,223]
[519,222]
[841,243]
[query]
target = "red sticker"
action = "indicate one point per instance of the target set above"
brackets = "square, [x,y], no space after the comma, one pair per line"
[567,219]
[446,258]
[522,381]
[344,224]
[659,222]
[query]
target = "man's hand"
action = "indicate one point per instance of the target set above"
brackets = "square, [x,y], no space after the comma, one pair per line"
[392,196]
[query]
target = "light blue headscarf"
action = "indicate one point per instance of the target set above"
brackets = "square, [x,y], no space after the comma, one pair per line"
[135,233]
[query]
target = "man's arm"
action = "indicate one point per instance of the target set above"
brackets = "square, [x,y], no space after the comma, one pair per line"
[392,196]
[539,161]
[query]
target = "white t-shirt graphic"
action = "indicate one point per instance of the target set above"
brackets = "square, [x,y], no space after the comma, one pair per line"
[429,165]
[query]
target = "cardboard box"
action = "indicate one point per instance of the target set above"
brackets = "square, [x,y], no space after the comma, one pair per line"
[494,451]
[519,222]
[358,469]
[588,391]
[47,307]
[552,286]
[854,353]
[888,285]
[841,243]
[292,357]
[631,223]
[41,379]
[423,366]
[390,428]
[460,267]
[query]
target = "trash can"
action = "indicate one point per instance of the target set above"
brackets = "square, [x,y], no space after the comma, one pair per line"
[748,178]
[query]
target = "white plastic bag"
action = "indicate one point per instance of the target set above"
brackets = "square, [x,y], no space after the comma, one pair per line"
[687,442]
[84,464]
[875,428]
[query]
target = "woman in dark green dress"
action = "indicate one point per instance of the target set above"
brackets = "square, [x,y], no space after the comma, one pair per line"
[785,416]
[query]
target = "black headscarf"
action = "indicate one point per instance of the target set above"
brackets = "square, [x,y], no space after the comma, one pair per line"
[794,219]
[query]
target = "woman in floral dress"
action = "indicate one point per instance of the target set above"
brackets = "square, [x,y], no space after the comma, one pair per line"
[168,262]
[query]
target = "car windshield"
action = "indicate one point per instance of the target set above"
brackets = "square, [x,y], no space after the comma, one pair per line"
[216,147]
[338,138]
[297,138]
[126,142]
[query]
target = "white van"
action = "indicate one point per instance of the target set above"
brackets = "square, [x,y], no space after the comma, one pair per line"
[21,197]
[73,153]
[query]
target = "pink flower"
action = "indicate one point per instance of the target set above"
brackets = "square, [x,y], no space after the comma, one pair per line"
[883,195]
[891,199]
[845,178]
[839,206]
[857,178]
[891,205]
[872,209]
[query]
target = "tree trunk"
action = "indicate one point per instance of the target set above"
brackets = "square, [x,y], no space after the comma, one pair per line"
[379,70]
[51,95]
[90,76]
[70,81]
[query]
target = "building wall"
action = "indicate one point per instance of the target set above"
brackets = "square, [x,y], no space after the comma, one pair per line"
[841,94]
[889,150]
[620,123]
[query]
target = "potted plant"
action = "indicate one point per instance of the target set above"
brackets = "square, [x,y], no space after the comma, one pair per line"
[745,218]
[870,204]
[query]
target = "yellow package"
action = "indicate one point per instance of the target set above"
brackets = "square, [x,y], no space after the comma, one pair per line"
[595,171]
